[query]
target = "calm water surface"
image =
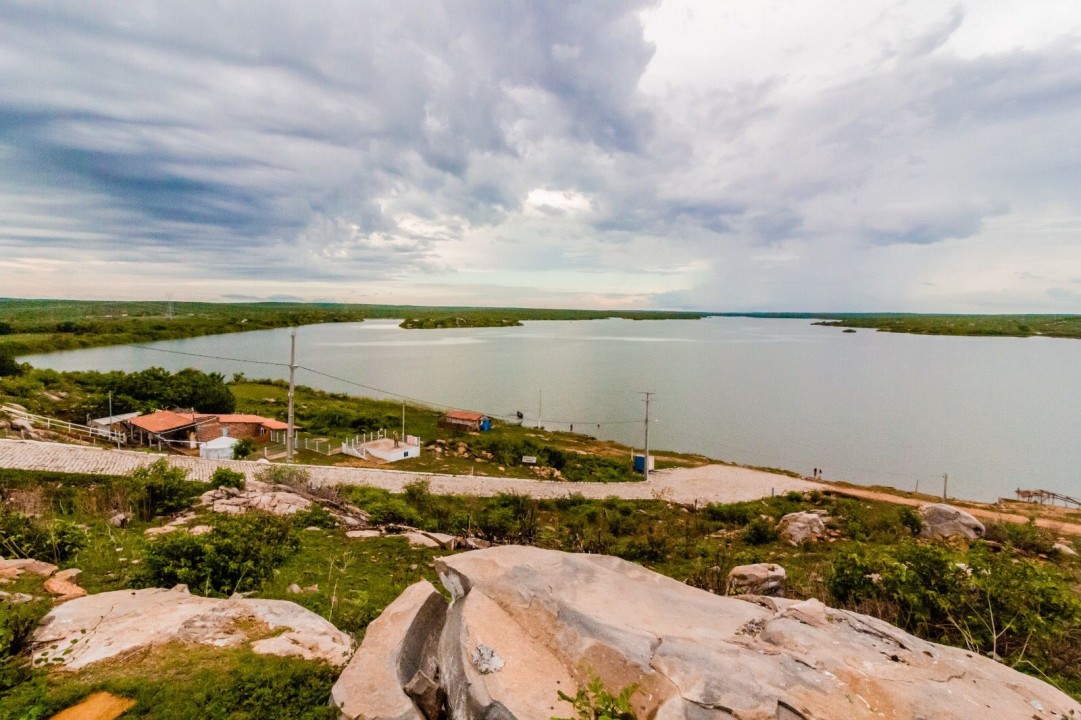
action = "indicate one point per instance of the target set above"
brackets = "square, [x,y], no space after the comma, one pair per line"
[867,407]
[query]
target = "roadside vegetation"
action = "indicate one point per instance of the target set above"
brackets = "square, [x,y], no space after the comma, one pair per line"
[40,326]
[1012,597]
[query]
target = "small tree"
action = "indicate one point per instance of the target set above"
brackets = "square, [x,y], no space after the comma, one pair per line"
[161,489]
[243,449]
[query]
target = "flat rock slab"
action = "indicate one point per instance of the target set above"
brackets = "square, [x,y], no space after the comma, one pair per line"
[555,618]
[98,627]
[12,569]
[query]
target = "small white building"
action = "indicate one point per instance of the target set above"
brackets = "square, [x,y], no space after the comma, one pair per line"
[220,448]
[103,426]
[386,449]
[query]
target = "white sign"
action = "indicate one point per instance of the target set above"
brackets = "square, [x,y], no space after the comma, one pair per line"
[529,459]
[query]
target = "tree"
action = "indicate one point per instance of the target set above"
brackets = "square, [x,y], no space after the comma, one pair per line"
[8,365]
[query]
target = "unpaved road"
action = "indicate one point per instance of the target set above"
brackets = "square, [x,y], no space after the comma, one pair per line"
[704,484]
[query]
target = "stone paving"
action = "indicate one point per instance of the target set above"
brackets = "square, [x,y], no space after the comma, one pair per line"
[708,483]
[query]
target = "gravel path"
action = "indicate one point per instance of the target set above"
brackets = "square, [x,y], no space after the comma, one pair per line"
[705,484]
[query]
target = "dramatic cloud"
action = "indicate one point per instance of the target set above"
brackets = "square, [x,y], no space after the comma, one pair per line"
[784,155]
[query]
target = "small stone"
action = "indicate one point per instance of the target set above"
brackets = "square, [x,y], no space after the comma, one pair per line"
[485,660]
[293,589]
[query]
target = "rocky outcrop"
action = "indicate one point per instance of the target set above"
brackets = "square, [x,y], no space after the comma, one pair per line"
[945,521]
[525,624]
[278,500]
[756,579]
[108,625]
[800,527]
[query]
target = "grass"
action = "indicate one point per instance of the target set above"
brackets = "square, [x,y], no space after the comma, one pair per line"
[356,579]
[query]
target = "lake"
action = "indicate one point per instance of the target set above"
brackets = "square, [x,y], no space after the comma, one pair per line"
[867,407]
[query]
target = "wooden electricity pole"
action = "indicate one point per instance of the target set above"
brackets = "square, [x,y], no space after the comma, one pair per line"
[645,458]
[292,389]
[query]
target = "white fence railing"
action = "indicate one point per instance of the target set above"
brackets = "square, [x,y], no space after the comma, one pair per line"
[91,433]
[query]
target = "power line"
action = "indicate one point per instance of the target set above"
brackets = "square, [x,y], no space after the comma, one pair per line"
[209,357]
[372,388]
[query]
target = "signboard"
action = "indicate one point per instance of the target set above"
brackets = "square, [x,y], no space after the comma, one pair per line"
[529,459]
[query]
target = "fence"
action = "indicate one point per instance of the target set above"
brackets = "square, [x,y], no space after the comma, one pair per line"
[90,433]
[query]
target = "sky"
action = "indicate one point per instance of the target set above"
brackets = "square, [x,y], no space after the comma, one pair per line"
[814,155]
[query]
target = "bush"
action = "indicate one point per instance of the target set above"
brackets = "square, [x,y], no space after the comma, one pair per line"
[17,623]
[160,489]
[224,477]
[21,536]
[237,555]
[243,449]
[760,532]
[314,515]
[291,475]
[911,520]
[734,514]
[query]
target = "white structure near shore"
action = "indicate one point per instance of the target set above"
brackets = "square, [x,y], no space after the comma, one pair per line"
[385,448]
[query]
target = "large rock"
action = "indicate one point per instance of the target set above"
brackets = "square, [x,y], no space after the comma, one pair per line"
[945,521]
[398,652]
[800,527]
[756,579]
[525,624]
[99,627]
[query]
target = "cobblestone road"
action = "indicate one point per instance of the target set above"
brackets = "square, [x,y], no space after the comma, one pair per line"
[709,483]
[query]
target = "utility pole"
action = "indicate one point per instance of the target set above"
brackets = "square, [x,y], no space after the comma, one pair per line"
[945,481]
[403,420]
[645,458]
[289,441]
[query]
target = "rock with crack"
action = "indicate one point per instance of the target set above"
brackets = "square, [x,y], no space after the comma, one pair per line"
[525,624]
[801,527]
[112,624]
[945,521]
[396,662]
[756,579]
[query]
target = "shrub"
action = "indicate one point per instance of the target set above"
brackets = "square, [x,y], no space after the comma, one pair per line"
[237,555]
[21,536]
[911,520]
[160,489]
[760,532]
[291,475]
[17,623]
[596,702]
[734,514]
[243,449]
[314,515]
[224,477]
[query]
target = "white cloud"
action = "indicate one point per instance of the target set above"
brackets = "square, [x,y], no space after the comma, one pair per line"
[778,155]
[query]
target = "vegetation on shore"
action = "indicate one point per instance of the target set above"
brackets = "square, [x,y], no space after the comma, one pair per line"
[458,321]
[40,326]
[1058,326]
[1013,597]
